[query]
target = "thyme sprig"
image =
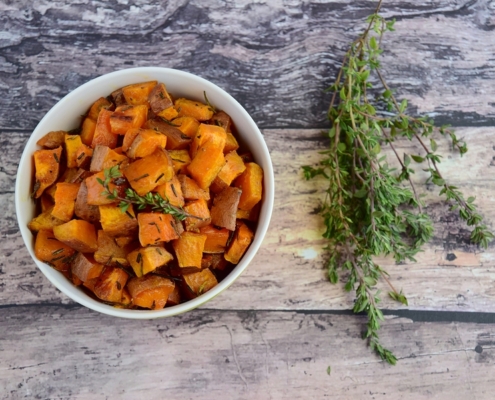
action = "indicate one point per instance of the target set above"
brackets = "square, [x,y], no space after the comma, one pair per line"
[368,209]
[150,199]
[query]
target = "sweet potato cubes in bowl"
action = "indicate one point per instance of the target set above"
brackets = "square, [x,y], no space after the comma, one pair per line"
[112,248]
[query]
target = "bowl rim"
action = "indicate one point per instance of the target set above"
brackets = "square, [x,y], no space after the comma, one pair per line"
[77,294]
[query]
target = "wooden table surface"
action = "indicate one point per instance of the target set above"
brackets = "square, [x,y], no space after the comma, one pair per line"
[273,333]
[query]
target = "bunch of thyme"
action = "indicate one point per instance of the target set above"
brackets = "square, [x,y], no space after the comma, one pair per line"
[369,208]
[153,200]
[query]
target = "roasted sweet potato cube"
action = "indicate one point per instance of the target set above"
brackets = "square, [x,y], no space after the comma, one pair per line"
[118,97]
[145,143]
[100,104]
[47,167]
[191,190]
[78,234]
[88,128]
[230,143]
[96,192]
[200,282]
[103,133]
[204,134]
[72,144]
[138,93]
[180,160]
[128,117]
[172,192]
[147,259]
[251,184]
[52,140]
[224,209]
[129,137]
[104,157]
[83,156]
[150,291]
[65,199]
[243,237]
[216,238]
[109,252]
[187,125]
[115,222]
[147,173]
[200,214]
[176,140]
[221,118]
[85,267]
[169,113]
[51,251]
[123,241]
[155,228]
[189,249]
[46,203]
[195,109]
[77,176]
[44,221]
[110,284]
[82,209]
[251,215]
[234,166]
[159,98]
[174,297]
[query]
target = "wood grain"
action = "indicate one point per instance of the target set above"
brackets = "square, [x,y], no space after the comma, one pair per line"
[275,57]
[74,353]
[287,273]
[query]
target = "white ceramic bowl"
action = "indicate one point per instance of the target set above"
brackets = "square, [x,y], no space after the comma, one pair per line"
[65,115]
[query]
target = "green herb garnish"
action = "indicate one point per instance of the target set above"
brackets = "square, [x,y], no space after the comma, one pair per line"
[370,208]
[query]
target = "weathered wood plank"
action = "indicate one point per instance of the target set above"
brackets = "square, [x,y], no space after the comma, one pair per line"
[274,57]
[287,273]
[75,353]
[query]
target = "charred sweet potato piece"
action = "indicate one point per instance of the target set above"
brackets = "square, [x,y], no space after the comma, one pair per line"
[147,173]
[174,297]
[110,284]
[159,98]
[147,259]
[172,191]
[138,93]
[187,125]
[216,238]
[103,133]
[191,190]
[97,106]
[155,228]
[180,160]
[221,118]
[189,249]
[72,144]
[51,251]
[230,143]
[115,222]
[65,198]
[44,221]
[218,262]
[52,140]
[234,166]
[109,252]
[96,192]
[208,160]
[129,137]
[176,140]
[78,176]
[224,209]
[195,109]
[88,128]
[243,237]
[85,267]
[150,291]
[78,234]
[128,117]
[145,143]
[47,167]
[104,157]
[82,209]
[251,184]
[118,97]
[83,156]
[200,282]
[200,214]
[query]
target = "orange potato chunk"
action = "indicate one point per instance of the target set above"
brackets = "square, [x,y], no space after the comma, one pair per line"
[88,128]
[234,166]
[180,160]
[155,228]
[187,125]
[72,144]
[128,117]
[51,251]
[251,184]
[145,143]
[200,214]
[242,239]
[138,93]
[78,234]
[103,133]
[104,157]
[189,249]
[96,192]
[85,267]
[82,209]
[65,199]
[191,190]
[83,156]
[169,113]
[109,252]
[47,167]
[110,284]
[172,192]
[147,259]
[216,238]
[52,140]
[200,282]
[117,223]
[195,109]
[150,291]
[176,140]
[44,221]
[159,98]
[97,106]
